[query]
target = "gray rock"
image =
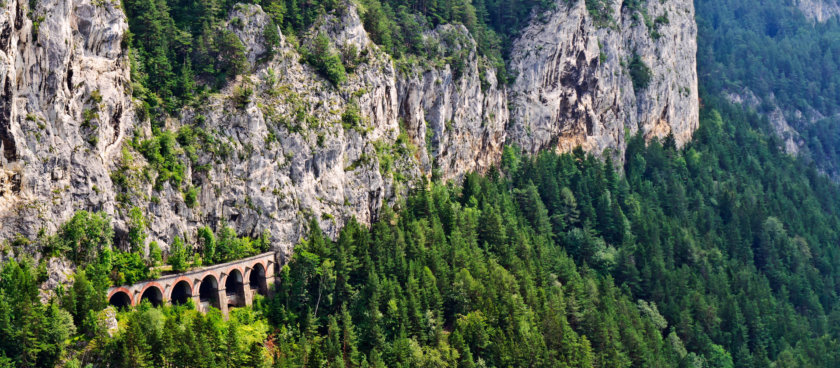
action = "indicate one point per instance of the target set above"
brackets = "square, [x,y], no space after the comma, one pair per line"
[574,87]
[819,10]
[281,154]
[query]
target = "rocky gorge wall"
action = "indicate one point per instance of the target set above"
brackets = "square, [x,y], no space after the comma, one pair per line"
[819,10]
[574,85]
[279,149]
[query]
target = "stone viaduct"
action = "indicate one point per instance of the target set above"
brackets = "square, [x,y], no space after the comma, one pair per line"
[222,286]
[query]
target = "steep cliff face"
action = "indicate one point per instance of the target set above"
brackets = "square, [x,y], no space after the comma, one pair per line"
[284,151]
[819,10]
[282,145]
[64,109]
[456,114]
[574,85]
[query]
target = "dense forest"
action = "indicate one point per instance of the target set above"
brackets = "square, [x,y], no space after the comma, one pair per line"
[181,49]
[769,49]
[718,254]
[722,253]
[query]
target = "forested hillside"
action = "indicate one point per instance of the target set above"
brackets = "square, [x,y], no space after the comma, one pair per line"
[181,51]
[716,254]
[720,254]
[780,63]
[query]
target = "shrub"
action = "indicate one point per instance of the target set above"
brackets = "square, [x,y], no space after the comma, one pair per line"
[325,60]
[190,197]
[177,255]
[640,73]
[352,117]
[162,153]
[83,236]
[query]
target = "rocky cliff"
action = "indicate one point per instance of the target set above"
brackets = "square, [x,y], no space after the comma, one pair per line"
[575,84]
[282,145]
[65,108]
[819,10]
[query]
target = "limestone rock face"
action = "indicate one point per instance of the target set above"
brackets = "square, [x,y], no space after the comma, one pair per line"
[574,86]
[64,109]
[283,152]
[819,10]
[457,116]
[281,146]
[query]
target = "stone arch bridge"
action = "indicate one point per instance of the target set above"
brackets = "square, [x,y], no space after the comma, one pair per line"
[222,286]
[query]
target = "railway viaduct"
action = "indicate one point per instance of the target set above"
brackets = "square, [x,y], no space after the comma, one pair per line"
[222,286]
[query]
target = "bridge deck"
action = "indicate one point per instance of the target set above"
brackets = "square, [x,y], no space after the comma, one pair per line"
[244,277]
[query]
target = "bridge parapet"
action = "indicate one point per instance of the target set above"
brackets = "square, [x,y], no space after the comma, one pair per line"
[222,286]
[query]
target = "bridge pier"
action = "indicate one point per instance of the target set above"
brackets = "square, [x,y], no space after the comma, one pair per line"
[196,299]
[206,287]
[249,296]
[223,302]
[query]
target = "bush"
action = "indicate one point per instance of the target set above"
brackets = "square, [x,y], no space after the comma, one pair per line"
[162,153]
[190,197]
[242,96]
[177,255]
[640,73]
[352,117]
[155,254]
[325,60]
[83,236]
[129,268]
[136,229]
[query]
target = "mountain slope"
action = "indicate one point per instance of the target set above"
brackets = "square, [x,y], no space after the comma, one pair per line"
[290,134]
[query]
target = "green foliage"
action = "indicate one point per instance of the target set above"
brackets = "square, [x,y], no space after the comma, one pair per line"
[180,337]
[174,43]
[601,10]
[719,254]
[326,60]
[272,38]
[136,230]
[178,256]
[129,268]
[155,253]
[82,237]
[351,118]
[640,73]
[31,333]
[162,153]
[190,196]
[230,247]
[772,49]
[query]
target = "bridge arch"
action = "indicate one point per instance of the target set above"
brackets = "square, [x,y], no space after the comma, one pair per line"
[121,298]
[153,292]
[235,288]
[208,292]
[181,291]
[256,278]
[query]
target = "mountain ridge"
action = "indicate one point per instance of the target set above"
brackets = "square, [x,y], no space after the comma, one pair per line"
[280,144]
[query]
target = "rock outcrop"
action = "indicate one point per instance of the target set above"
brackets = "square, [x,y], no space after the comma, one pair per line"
[65,107]
[456,115]
[819,10]
[574,85]
[281,145]
[283,152]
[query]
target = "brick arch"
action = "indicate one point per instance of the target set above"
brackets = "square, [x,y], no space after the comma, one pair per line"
[239,268]
[151,284]
[227,271]
[123,290]
[203,275]
[250,267]
[175,282]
